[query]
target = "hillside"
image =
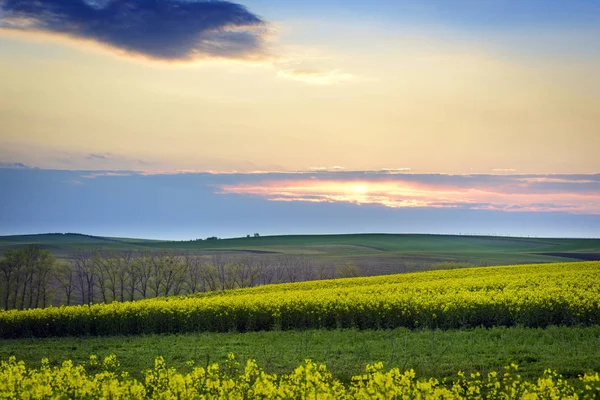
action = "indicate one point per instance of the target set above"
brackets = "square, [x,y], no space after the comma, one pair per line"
[375,253]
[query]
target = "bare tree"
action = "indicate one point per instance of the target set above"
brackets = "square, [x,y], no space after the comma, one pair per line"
[10,269]
[116,274]
[157,273]
[294,267]
[348,270]
[84,264]
[220,263]
[106,269]
[266,269]
[26,277]
[64,276]
[194,273]
[29,255]
[247,272]
[127,276]
[143,268]
[210,277]
[324,272]
[173,273]
[43,270]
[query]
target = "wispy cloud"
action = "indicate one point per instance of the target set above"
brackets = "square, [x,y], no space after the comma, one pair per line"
[94,175]
[166,30]
[18,165]
[316,76]
[97,161]
[392,171]
[37,156]
[92,156]
[335,168]
[490,192]
[555,179]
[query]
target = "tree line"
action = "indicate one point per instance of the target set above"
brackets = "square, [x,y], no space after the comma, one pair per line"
[31,277]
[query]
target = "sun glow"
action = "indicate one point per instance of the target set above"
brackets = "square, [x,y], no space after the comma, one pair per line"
[403,194]
[360,189]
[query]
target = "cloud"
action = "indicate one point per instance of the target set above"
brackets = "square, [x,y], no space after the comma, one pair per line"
[92,156]
[95,161]
[335,168]
[315,76]
[46,157]
[94,175]
[557,179]
[392,171]
[510,193]
[166,30]
[17,165]
[393,188]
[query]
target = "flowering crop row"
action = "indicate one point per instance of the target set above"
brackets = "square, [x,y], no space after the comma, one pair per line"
[528,295]
[308,380]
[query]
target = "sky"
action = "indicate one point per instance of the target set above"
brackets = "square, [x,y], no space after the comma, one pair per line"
[180,119]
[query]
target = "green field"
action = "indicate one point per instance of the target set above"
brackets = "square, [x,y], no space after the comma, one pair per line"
[437,323]
[374,253]
[440,354]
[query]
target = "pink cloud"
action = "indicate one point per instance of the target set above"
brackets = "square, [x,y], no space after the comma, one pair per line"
[405,193]
[94,175]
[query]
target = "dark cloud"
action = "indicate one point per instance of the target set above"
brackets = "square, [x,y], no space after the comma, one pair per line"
[168,30]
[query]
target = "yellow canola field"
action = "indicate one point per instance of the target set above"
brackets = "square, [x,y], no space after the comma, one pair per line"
[307,381]
[529,295]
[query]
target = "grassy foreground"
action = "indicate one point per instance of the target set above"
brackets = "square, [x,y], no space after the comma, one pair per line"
[440,354]
[545,318]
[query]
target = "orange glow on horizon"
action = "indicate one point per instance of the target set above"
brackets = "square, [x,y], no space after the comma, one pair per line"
[401,194]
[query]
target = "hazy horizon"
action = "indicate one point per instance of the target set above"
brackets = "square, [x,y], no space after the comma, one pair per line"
[199,205]
[299,235]
[229,118]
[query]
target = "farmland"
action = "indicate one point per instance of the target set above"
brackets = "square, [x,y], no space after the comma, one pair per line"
[374,253]
[536,295]
[69,269]
[308,380]
[430,352]
[424,327]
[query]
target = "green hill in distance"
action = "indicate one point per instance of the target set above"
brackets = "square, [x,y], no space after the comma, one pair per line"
[378,253]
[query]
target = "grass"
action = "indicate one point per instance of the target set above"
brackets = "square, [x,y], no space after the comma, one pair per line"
[569,350]
[376,253]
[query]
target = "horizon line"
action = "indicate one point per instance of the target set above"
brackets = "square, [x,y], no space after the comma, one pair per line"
[117,238]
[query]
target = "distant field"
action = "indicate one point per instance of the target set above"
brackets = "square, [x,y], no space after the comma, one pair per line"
[374,253]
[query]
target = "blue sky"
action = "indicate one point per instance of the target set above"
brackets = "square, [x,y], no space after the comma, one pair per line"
[187,118]
[189,206]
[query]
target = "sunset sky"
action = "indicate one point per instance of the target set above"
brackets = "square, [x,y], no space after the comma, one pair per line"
[435,116]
